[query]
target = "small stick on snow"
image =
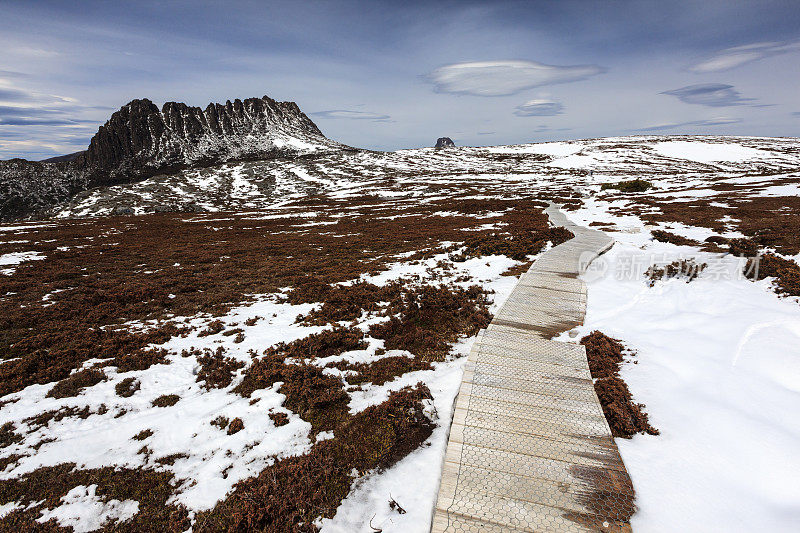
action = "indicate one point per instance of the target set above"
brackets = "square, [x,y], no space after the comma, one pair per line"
[394,505]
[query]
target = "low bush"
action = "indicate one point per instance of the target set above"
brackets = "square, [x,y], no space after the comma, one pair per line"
[687,269]
[323,344]
[127,387]
[314,396]
[166,400]
[637,185]
[45,487]
[431,318]
[665,236]
[217,370]
[785,271]
[625,418]
[235,426]
[743,247]
[516,245]
[73,385]
[292,494]
[279,419]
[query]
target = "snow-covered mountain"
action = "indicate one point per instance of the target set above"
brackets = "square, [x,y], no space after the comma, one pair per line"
[140,140]
[670,162]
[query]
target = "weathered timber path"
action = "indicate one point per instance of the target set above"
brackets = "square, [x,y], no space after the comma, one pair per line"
[529,448]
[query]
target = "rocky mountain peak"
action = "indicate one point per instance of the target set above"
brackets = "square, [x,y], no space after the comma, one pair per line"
[140,140]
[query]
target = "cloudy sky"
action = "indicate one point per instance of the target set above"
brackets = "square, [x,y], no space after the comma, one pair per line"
[390,75]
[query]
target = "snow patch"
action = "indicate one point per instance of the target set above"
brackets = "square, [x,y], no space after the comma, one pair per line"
[704,152]
[83,510]
[15,258]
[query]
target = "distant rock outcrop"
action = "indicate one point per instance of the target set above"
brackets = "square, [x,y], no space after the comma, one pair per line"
[445,142]
[140,141]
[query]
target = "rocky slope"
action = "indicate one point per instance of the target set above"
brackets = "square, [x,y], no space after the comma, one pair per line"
[141,140]
[672,163]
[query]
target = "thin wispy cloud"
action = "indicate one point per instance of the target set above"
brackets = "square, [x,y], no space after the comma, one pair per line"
[43,141]
[741,55]
[351,115]
[56,114]
[21,121]
[503,78]
[55,124]
[721,121]
[11,93]
[710,94]
[11,74]
[547,129]
[539,108]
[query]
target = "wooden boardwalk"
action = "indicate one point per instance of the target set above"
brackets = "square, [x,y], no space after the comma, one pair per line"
[529,447]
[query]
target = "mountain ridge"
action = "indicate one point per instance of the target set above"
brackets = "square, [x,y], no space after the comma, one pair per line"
[140,140]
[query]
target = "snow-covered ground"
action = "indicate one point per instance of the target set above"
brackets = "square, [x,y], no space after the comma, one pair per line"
[414,481]
[676,164]
[718,367]
[209,461]
[718,362]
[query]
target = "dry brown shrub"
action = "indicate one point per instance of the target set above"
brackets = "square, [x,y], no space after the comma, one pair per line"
[323,344]
[235,426]
[431,318]
[45,487]
[684,268]
[118,269]
[8,436]
[625,417]
[771,221]
[743,247]
[517,245]
[672,238]
[221,422]
[44,418]
[166,400]
[127,387]
[217,370]
[785,271]
[291,494]
[214,327]
[518,270]
[279,419]
[317,398]
[73,385]
[603,353]
[144,434]
[382,370]
[341,302]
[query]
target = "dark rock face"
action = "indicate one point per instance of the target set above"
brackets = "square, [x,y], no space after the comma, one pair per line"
[140,141]
[30,186]
[445,142]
